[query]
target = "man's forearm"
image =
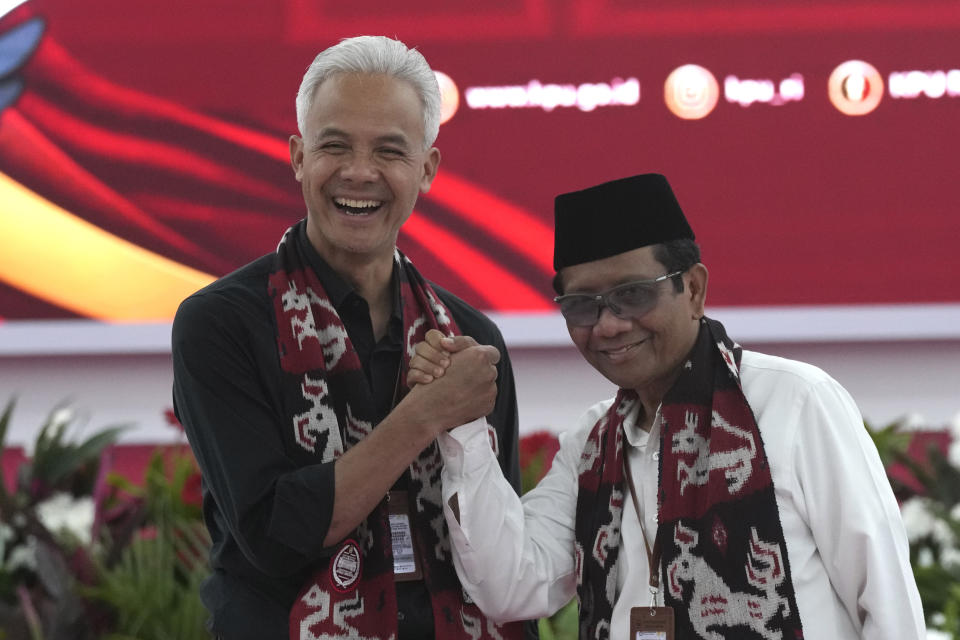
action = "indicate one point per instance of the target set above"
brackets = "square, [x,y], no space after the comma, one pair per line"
[365,473]
[514,559]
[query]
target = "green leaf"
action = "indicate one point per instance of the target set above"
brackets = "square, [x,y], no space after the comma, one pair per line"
[154,588]
[562,625]
[4,422]
[118,481]
[890,441]
[66,459]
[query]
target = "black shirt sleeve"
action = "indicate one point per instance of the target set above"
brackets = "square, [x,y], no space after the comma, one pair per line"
[273,512]
[268,514]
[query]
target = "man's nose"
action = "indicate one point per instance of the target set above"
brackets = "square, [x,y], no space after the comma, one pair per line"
[359,167]
[609,324]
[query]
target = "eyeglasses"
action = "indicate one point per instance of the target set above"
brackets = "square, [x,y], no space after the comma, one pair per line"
[629,300]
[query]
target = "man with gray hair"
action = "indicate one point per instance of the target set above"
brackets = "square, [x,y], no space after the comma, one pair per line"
[320,472]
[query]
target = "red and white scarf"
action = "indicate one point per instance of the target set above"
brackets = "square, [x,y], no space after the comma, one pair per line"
[329,405]
[724,568]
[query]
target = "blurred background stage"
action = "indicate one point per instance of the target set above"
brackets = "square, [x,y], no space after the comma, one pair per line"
[813,145]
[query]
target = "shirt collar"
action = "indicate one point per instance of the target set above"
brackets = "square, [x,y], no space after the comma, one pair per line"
[636,436]
[336,286]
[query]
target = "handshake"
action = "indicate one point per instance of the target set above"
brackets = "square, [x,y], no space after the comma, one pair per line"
[455,376]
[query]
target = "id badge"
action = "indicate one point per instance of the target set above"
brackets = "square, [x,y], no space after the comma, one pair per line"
[651,623]
[406,565]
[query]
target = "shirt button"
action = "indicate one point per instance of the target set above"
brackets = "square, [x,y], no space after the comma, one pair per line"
[400,615]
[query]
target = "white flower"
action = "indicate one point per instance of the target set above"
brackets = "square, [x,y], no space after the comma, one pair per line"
[942,534]
[61,417]
[23,557]
[955,512]
[955,426]
[915,421]
[950,558]
[61,514]
[917,519]
[933,634]
[925,558]
[953,453]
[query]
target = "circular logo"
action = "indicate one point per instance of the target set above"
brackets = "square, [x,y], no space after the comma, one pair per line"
[855,88]
[346,567]
[691,92]
[449,96]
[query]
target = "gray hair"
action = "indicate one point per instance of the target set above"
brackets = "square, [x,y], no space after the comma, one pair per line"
[374,54]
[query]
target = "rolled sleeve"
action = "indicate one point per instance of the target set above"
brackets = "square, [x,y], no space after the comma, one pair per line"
[464,448]
[276,512]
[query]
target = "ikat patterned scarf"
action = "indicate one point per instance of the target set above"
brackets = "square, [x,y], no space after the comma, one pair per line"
[724,568]
[352,593]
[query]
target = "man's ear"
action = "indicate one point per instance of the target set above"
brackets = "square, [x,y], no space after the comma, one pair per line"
[431,162]
[296,156]
[697,277]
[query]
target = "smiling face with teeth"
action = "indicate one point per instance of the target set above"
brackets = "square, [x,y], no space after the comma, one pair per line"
[645,353]
[361,164]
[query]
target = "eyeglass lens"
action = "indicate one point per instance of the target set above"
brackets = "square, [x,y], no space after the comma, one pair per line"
[630,300]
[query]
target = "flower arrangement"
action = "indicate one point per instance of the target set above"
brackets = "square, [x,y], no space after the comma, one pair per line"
[87,554]
[924,470]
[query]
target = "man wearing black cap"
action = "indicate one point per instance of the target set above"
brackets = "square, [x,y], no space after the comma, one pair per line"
[746,481]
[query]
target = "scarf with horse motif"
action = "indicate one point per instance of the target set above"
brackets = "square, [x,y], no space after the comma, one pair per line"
[329,404]
[724,568]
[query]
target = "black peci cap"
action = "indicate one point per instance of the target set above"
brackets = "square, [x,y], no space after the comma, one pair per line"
[614,217]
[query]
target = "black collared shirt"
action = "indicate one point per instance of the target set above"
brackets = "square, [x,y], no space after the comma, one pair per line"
[266,515]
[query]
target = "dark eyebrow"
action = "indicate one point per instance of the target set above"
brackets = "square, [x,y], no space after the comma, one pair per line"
[394,138]
[390,138]
[631,279]
[329,132]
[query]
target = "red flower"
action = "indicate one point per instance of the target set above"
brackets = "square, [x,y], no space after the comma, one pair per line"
[536,455]
[172,419]
[148,532]
[542,443]
[191,494]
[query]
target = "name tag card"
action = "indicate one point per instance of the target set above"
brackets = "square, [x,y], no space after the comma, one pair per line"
[406,565]
[651,623]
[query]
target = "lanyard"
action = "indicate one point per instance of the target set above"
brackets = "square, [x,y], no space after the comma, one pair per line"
[653,557]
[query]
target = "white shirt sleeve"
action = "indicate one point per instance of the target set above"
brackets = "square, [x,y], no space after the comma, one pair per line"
[514,557]
[854,517]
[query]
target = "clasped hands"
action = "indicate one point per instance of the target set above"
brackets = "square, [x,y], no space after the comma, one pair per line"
[460,374]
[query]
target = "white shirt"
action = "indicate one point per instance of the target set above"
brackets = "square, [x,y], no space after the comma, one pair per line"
[847,548]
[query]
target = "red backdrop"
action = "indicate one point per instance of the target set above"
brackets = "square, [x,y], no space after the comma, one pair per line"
[165,124]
